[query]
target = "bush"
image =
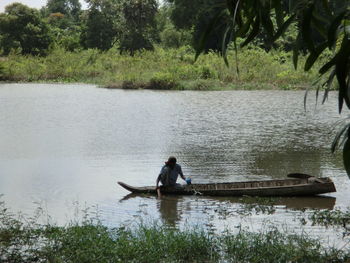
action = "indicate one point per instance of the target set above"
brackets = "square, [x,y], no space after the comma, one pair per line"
[2,71]
[172,38]
[164,81]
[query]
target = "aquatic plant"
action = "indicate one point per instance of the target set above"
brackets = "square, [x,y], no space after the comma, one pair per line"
[334,217]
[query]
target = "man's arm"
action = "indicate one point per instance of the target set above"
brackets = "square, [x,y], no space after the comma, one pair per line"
[181,173]
[157,182]
[157,186]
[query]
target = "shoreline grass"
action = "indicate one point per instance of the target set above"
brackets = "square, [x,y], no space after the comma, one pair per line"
[88,240]
[96,243]
[164,69]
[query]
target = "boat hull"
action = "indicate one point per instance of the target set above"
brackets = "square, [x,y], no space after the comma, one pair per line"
[282,187]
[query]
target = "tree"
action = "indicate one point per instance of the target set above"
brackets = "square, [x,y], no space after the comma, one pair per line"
[69,8]
[102,24]
[131,23]
[22,27]
[185,17]
[63,17]
[140,25]
[322,25]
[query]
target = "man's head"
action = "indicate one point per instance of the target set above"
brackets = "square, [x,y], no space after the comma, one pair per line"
[171,161]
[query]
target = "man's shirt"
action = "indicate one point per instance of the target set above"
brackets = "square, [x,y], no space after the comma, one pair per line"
[169,176]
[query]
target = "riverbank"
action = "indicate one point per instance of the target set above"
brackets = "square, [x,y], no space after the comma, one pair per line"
[88,240]
[170,69]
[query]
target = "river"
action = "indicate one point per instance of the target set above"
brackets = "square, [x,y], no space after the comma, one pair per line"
[64,147]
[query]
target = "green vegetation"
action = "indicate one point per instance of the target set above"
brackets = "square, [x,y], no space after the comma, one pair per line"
[22,27]
[274,246]
[159,69]
[25,240]
[332,218]
[93,46]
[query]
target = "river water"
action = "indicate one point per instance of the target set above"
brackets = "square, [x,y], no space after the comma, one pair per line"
[64,147]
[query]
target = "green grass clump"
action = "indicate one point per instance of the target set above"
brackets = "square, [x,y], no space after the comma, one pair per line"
[331,218]
[162,244]
[161,69]
[274,246]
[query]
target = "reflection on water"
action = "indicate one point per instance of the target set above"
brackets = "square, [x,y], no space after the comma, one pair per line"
[61,144]
[170,213]
[168,210]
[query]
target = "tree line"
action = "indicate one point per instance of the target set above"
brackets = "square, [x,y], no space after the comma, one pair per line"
[129,25]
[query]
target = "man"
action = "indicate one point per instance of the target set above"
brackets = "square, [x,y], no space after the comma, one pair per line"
[169,173]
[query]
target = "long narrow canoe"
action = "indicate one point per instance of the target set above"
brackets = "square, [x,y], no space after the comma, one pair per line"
[282,187]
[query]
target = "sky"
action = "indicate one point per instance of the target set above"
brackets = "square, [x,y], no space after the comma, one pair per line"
[30,3]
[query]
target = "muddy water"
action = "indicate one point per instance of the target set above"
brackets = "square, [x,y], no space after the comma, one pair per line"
[64,147]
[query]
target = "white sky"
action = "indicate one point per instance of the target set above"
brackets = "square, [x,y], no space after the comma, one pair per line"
[30,3]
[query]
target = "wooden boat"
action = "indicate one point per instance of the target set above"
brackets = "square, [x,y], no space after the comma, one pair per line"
[307,186]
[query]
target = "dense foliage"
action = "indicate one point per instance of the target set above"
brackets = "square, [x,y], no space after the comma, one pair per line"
[185,17]
[22,27]
[69,8]
[130,25]
[161,69]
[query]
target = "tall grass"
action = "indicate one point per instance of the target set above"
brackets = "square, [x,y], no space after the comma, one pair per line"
[274,246]
[25,240]
[161,69]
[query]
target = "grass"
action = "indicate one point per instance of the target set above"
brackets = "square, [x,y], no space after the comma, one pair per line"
[277,247]
[332,218]
[25,240]
[160,69]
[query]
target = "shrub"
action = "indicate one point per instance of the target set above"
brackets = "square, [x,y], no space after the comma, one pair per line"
[164,81]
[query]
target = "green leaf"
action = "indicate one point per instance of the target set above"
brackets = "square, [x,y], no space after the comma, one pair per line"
[329,84]
[319,25]
[279,13]
[224,46]
[205,36]
[296,48]
[306,28]
[328,65]
[253,33]
[332,31]
[283,27]
[337,137]
[341,71]
[346,154]
[230,29]
[314,55]
[267,24]
[305,98]
[236,56]
[243,30]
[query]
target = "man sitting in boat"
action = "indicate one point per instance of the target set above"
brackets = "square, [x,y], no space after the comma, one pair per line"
[169,173]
